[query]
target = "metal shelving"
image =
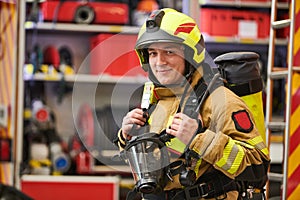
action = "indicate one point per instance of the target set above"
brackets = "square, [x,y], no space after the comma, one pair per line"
[238,40]
[244,4]
[48,26]
[67,27]
[86,78]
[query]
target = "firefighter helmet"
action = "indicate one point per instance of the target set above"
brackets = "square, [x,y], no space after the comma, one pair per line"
[169,25]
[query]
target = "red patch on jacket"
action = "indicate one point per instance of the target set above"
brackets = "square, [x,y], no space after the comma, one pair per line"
[242,121]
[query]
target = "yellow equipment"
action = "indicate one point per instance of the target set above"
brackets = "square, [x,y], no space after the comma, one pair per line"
[241,73]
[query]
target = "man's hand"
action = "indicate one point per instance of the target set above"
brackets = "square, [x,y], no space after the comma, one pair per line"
[135,118]
[183,127]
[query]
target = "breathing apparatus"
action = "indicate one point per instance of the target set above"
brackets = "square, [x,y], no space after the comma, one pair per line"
[148,157]
[146,152]
[241,74]
[147,148]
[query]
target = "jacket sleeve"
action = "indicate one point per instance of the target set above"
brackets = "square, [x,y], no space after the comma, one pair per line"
[231,143]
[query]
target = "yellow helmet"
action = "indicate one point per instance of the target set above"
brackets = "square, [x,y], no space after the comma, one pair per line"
[169,25]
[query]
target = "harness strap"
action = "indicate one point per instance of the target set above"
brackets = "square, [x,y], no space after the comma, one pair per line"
[194,99]
[210,185]
[243,89]
[176,167]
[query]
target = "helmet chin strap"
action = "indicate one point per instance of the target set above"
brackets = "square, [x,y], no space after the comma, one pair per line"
[153,78]
[189,71]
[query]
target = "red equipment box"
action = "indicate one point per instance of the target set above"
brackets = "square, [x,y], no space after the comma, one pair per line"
[237,1]
[114,54]
[71,187]
[86,13]
[231,23]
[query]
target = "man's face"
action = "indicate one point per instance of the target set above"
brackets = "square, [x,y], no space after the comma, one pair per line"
[167,62]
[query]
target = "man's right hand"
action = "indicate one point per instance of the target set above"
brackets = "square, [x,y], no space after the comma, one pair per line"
[135,118]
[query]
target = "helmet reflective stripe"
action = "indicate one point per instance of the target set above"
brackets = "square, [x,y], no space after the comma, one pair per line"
[192,40]
[168,25]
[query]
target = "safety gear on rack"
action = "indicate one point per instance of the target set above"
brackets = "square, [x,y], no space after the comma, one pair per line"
[84,14]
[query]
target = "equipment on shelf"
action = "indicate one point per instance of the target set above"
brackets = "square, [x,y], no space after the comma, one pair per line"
[243,24]
[85,12]
[93,142]
[142,11]
[34,14]
[114,54]
[51,56]
[45,154]
[57,60]
[50,61]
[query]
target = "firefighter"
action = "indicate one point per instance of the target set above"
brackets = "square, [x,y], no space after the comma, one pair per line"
[220,145]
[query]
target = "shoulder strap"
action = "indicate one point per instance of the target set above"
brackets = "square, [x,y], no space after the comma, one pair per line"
[201,91]
[194,99]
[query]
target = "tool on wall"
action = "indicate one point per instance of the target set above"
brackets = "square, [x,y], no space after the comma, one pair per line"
[46,154]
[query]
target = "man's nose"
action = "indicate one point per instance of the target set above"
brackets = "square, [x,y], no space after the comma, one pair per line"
[161,59]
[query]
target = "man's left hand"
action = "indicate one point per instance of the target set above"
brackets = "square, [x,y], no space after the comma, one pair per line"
[183,127]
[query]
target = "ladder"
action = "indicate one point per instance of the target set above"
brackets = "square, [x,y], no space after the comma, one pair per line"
[274,73]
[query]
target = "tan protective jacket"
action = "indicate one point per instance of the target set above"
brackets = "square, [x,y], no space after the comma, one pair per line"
[231,141]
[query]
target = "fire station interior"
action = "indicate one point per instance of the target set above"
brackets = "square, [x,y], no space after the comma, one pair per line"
[78,73]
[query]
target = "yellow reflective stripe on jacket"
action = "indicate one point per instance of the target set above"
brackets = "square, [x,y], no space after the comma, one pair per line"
[175,144]
[197,166]
[232,157]
[258,143]
[244,144]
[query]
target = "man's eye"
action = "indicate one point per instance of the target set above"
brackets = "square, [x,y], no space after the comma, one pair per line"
[152,53]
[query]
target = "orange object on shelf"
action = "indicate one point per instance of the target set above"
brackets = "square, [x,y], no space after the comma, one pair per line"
[147,5]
